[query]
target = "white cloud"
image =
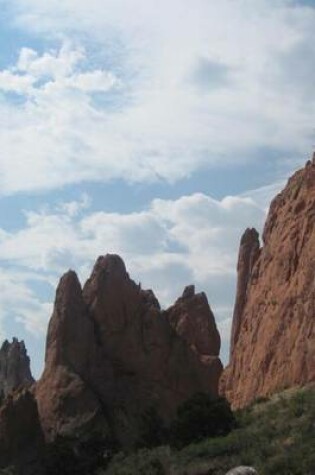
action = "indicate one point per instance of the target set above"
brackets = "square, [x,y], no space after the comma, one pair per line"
[193,239]
[54,64]
[20,303]
[154,120]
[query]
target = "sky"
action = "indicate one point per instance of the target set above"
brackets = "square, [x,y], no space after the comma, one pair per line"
[155,130]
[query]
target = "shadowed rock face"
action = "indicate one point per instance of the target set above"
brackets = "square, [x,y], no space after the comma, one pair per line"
[111,353]
[21,438]
[273,335]
[14,367]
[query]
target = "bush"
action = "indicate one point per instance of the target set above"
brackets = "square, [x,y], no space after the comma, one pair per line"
[201,417]
[76,457]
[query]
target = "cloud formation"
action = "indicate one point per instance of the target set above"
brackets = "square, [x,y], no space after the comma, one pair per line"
[186,86]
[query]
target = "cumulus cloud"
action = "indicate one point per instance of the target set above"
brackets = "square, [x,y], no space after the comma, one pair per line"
[186,86]
[20,303]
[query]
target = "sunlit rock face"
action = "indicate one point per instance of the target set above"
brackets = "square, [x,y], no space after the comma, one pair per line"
[112,353]
[14,367]
[273,334]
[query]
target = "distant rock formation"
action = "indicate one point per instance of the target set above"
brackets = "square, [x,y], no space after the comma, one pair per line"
[273,333]
[14,367]
[112,353]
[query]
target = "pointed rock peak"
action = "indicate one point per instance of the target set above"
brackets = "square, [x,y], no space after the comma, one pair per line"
[5,346]
[111,264]
[69,279]
[189,292]
[150,299]
[14,367]
[69,285]
[192,319]
[16,344]
[250,236]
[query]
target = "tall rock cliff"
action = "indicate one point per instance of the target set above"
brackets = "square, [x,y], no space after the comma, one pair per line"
[273,333]
[112,353]
[14,367]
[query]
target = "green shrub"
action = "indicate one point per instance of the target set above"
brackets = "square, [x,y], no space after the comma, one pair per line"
[68,456]
[201,417]
[142,462]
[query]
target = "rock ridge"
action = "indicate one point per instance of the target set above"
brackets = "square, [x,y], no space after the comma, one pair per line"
[112,352]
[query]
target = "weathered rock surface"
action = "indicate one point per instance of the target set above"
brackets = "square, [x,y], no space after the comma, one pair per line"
[192,319]
[273,335]
[248,254]
[112,353]
[14,367]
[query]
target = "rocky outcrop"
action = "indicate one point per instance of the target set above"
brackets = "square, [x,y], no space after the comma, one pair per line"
[112,353]
[14,367]
[273,335]
[248,254]
[193,320]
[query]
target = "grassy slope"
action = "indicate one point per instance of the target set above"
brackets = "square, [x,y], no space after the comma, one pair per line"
[277,437]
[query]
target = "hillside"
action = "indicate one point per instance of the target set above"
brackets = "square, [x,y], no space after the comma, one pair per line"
[275,436]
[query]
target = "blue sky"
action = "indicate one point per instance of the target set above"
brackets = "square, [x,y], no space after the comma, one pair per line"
[156,130]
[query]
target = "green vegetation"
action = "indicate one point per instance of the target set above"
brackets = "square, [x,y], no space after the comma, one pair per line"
[8,471]
[201,417]
[68,456]
[276,436]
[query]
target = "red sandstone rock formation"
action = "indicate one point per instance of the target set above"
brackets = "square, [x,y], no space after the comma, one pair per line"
[193,320]
[273,335]
[111,354]
[14,367]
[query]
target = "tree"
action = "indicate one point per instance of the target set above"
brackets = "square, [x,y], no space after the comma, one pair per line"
[200,417]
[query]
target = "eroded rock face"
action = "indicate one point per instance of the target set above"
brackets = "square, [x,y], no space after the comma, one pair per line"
[193,320]
[273,336]
[248,254]
[14,367]
[112,353]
